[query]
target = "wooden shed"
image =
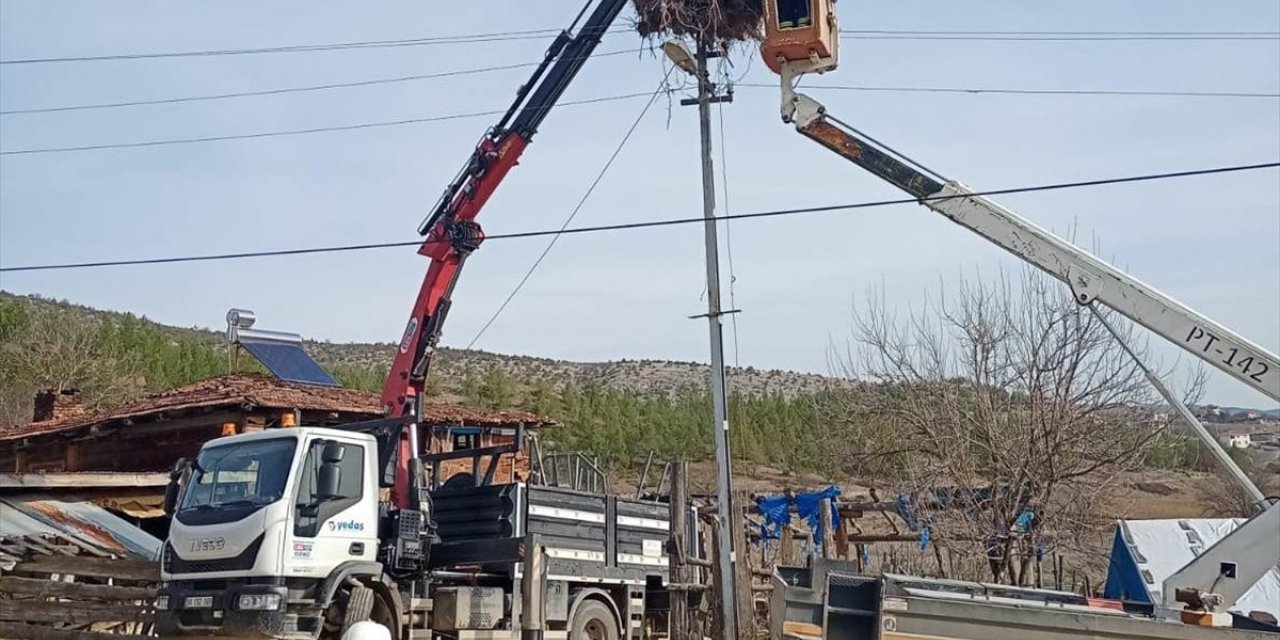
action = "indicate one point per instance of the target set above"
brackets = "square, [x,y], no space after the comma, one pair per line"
[151,433]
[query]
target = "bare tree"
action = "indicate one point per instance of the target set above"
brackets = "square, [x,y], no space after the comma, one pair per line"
[54,349]
[1002,413]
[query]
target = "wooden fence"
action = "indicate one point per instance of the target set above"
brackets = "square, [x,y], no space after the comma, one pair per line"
[52,588]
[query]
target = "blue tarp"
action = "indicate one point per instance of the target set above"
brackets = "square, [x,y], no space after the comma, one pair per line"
[777,511]
[777,514]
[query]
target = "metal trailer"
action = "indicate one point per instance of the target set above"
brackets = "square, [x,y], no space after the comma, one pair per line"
[830,602]
[598,556]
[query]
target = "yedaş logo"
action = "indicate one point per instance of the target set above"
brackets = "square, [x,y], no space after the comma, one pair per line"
[349,525]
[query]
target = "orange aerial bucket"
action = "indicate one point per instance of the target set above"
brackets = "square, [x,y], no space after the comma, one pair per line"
[800,31]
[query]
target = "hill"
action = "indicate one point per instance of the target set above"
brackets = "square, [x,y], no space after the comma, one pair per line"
[619,411]
[366,361]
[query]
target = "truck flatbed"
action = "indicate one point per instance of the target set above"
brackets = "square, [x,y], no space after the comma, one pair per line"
[830,601]
[599,537]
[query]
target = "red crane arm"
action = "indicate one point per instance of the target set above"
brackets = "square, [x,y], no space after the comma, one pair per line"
[452,233]
[447,245]
[449,241]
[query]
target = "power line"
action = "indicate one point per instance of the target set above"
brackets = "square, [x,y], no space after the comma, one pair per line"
[728,226]
[317,87]
[1062,38]
[296,132]
[1020,32]
[409,121]
[650,223]
[533,34]
[574,213]
[1080,92]
[504,36]
[460,72]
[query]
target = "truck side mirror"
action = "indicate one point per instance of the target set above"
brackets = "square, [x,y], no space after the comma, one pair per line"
[328,480]
[172,490]
[332,453]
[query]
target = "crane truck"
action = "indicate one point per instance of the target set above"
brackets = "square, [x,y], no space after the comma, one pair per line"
[307,531]
[802,36]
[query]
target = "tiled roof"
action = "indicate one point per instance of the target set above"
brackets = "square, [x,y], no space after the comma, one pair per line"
[257,390]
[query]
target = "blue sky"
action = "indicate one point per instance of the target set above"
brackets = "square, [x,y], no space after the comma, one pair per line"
[1213,243]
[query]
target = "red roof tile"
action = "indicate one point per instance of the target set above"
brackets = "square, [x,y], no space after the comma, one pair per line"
[257,390]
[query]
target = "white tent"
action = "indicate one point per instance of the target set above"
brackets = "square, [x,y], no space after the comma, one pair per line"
[1146,552]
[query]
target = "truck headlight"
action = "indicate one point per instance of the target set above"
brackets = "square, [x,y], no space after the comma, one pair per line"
[258,601]
[162,603]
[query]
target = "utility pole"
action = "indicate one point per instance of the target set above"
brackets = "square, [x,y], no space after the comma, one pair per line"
[727,573]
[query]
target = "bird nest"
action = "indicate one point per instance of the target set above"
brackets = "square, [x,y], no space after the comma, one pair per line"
[710,20]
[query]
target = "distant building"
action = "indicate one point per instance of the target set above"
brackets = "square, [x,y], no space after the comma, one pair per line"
[1239,439]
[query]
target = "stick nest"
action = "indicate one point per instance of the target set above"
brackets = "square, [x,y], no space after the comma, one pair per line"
[712,20]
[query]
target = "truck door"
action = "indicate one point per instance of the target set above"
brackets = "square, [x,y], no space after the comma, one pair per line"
[329,529]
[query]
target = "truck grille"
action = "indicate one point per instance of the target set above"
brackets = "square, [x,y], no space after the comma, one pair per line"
[173,563]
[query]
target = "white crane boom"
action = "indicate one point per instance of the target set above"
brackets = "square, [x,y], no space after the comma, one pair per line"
[1090,278]
[1216,579]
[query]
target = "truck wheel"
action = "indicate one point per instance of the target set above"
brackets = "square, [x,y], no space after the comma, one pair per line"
[359,606]
[593,621]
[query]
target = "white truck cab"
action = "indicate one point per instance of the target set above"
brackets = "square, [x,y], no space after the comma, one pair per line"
[266,519]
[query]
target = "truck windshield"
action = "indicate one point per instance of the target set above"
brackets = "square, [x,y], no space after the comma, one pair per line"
[249,474]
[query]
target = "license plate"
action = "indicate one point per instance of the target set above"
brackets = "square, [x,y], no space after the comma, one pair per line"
[198,602]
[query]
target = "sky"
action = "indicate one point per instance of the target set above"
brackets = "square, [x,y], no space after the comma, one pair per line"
[1211,242]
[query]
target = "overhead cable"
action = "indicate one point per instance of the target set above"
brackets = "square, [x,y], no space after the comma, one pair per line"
[297,132]
[574,213]
[535,34]
[850,34]
[753,85]
[1056,92]
[392,123]
[1011,37]
[648,224]
[728,226]
[314,87]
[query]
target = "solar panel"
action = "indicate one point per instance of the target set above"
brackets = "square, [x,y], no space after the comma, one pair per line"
[288,361]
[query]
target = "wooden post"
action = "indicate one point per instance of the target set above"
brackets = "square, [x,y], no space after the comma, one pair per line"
[71,459]
[678,621]
[937,553]
[788,556]
[717,615]
[842,539]
[862,566]
[742,569]
[644,480]
[827,537]
[702,622]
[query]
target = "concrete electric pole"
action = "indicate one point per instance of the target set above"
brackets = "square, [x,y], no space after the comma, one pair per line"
[726,570]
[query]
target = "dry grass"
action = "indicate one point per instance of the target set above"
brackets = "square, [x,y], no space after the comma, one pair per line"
[713,20]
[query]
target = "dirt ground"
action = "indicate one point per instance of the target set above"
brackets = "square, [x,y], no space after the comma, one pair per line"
[1144,495]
